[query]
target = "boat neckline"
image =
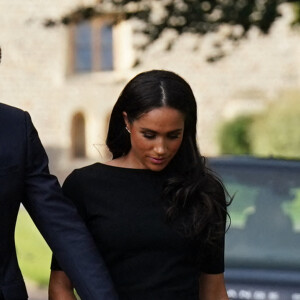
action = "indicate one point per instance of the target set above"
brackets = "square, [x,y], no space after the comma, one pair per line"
[124,169]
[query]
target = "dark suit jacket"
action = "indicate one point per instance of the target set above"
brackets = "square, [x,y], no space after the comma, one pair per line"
[24,178]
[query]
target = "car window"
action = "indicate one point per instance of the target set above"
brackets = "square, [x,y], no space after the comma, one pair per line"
[265,217]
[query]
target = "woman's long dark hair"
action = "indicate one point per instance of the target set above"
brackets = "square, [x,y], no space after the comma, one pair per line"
[195,196]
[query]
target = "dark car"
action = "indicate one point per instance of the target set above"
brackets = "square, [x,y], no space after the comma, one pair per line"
[263,242]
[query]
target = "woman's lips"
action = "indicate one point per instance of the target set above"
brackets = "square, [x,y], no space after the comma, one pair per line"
[157,160]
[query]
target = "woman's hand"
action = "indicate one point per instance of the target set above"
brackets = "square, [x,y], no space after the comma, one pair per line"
[212,287]
[60,286]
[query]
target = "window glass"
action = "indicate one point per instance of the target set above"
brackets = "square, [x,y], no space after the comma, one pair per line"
[106,47]
[265,216]
[83,47]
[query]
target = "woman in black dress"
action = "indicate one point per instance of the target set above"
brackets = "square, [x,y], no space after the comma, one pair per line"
[156,212]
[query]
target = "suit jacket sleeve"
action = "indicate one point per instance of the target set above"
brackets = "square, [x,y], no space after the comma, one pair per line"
[61,226]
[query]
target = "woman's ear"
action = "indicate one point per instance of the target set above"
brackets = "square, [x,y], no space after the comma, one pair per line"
[127,123]
[124,113]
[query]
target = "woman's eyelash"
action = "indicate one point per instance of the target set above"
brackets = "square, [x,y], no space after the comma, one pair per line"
[152,136]
[149,135]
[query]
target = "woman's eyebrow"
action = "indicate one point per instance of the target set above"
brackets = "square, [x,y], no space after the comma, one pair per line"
[153,131]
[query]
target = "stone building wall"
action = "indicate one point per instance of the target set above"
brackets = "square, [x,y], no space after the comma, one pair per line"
[245,81]
[34,76]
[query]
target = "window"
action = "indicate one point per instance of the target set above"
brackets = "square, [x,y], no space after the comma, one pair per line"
[265,223]
[93,46]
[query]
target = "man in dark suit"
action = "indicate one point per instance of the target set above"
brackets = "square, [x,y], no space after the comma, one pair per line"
[25,178]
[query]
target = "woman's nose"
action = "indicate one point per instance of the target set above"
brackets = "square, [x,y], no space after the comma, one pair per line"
[160,147]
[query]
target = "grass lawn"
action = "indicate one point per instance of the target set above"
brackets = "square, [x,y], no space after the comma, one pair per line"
[33,253]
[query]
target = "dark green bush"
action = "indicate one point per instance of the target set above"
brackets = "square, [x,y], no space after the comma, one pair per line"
[234,136]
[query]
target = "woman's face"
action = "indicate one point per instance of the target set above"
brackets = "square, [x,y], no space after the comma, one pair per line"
[155,138]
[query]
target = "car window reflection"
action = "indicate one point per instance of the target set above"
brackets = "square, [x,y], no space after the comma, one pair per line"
[265,218]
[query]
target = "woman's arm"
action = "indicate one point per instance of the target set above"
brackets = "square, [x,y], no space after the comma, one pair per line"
[212,287]
[60,286]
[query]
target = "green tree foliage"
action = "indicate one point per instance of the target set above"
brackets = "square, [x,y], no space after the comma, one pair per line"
[194,16]
[234,136]
[277,131]
[296,6]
